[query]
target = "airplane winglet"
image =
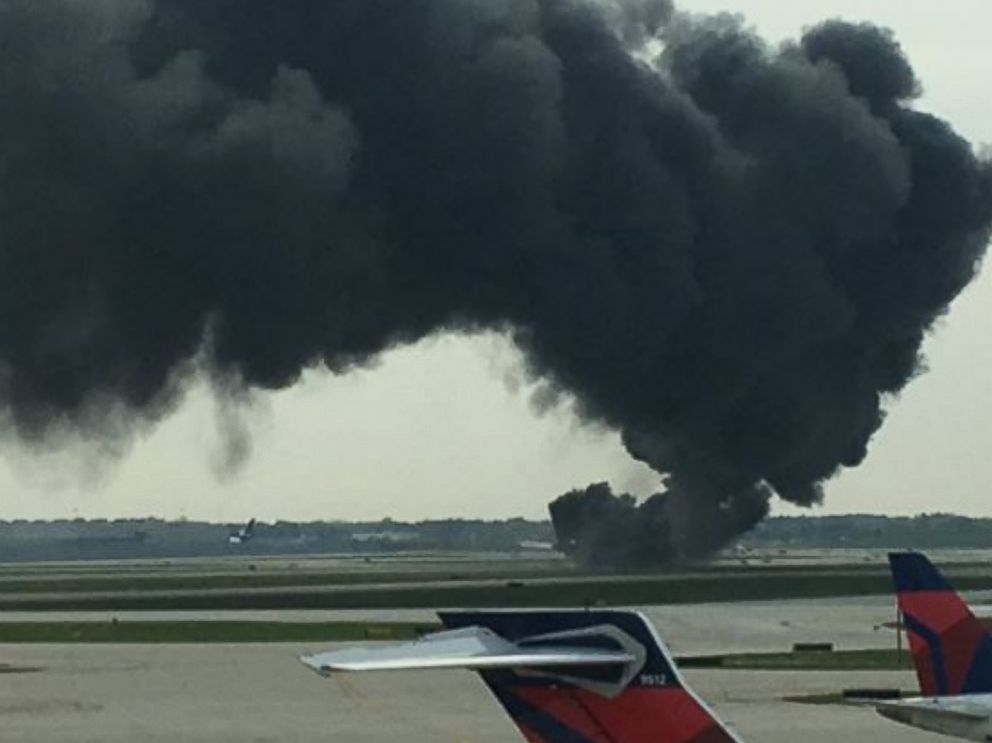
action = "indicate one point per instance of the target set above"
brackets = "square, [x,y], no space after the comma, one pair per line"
[472,648]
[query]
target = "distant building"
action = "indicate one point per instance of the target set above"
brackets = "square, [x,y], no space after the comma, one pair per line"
[531,545]
[391,537]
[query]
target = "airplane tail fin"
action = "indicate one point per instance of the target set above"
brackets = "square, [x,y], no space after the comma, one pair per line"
[951,648]
[643,700]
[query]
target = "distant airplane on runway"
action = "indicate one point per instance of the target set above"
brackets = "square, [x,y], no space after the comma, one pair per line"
[952,651]
[243,534]
[563,676]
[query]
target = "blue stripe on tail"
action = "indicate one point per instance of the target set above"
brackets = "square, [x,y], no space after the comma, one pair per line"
[913,572]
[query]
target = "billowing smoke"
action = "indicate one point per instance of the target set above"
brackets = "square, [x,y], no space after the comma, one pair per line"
[728,252]
[596,528]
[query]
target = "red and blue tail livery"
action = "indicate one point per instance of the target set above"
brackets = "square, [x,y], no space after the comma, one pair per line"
[563,676]
[643,701]
[951,648]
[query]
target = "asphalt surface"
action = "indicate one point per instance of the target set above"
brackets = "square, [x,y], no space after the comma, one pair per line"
[262,694]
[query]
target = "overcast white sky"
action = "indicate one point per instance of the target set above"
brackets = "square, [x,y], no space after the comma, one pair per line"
[443,428]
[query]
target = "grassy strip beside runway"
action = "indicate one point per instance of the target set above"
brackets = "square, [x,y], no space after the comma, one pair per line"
[208,632]
[122,632]
[838,660]
[250,575]
[597,591]
[285,579]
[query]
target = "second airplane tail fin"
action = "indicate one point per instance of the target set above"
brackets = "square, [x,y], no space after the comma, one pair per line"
[951,648]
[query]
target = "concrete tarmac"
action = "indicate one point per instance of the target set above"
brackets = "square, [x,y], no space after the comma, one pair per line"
[746,626]
[262,694]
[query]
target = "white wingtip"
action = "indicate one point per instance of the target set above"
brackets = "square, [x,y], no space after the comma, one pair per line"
[313,663]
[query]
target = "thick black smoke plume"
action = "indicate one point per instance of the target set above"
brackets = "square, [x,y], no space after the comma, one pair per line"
[728,252]
[596,528]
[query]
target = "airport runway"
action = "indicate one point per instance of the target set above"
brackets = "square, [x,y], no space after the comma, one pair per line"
[746,626]
[262,694]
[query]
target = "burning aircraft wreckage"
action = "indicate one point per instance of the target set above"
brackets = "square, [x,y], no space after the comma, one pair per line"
[729,252]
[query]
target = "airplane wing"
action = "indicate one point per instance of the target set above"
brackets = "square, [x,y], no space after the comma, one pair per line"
[562,676]
[473,648]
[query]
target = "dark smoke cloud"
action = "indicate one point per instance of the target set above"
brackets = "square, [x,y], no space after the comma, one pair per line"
[597,528]
[730,254]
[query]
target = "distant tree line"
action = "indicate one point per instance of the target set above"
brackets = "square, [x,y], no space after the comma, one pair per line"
[926,531]
[80,539]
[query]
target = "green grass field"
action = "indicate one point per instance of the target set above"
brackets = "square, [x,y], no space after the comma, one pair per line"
[207,582]
[212,632]
[596,591]
[840,660]
[449,580]
[250,572]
